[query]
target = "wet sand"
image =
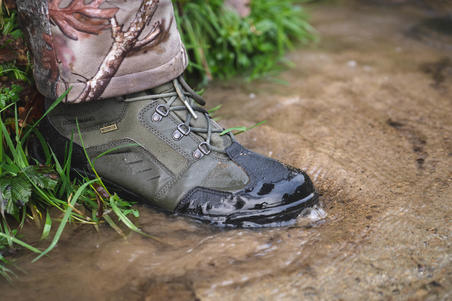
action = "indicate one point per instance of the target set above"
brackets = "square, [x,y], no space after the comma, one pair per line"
[367,112]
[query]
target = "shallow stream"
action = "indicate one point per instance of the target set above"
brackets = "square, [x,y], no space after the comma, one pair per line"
[367,112]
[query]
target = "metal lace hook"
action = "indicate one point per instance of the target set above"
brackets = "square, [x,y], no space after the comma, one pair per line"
[184,100]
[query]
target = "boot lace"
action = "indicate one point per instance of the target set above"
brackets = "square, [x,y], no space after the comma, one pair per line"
[188,97]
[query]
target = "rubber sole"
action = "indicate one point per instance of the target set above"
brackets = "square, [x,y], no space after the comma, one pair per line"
[278,216]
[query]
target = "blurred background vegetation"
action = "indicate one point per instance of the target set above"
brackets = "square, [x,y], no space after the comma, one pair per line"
[222,41]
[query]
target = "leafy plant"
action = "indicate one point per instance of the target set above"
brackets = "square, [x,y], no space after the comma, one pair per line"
[9,26]
[14,70]
[9,95]
[222,44]
[30,190]
[14,60]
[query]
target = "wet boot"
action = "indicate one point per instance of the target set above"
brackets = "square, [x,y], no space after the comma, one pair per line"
[163,148]
[157,146]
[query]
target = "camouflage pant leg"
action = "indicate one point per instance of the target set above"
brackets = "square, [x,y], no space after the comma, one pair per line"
[101,48]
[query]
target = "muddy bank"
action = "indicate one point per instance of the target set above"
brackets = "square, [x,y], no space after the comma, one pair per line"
[367,112]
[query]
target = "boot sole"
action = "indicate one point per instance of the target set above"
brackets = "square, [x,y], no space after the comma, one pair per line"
[278,216]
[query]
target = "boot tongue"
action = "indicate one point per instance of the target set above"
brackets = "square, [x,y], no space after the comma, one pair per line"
[165,88]
[215,140]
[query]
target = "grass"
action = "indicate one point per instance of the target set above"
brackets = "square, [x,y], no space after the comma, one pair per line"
[221,44]
[31,190]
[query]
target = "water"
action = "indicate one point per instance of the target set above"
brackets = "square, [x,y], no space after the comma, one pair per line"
[367,114]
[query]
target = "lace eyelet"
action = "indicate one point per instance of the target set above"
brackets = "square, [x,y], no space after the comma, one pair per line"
[205,148]
[181,131]
[184,129]
[160,112]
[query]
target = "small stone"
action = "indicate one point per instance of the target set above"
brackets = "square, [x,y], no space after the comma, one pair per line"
[352,64]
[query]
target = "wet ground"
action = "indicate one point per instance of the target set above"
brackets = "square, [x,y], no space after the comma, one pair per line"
[368,113]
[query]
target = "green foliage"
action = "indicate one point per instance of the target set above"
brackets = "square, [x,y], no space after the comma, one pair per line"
[16,186]
[33,191]
[11,41]
[12,70]
[29,190]
[221,44]
[9,95]
[8,26]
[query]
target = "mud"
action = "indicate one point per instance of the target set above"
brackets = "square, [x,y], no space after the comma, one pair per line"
[367,112]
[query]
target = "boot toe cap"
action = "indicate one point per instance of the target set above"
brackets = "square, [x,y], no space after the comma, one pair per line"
[276,194]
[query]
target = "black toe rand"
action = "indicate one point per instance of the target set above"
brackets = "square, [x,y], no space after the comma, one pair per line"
[275,195]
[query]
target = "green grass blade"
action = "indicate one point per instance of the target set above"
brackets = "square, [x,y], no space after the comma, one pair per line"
[88,158]
[8,106]
[114,226]
[7,232]
[65,219]
[114,149]
[44,145]
[122,216]
[20,243]
[241,129]
[54,104]
[4,271]
[7,138]
[47,226]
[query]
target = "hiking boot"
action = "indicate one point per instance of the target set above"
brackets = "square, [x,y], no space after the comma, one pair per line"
[160,147]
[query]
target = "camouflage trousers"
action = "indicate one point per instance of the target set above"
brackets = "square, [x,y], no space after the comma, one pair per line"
[101,48]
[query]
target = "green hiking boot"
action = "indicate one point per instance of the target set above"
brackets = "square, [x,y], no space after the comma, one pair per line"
[165,150]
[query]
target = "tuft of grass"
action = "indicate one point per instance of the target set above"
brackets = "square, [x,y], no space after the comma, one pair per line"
[221,44]
[14,59]
[30,190]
